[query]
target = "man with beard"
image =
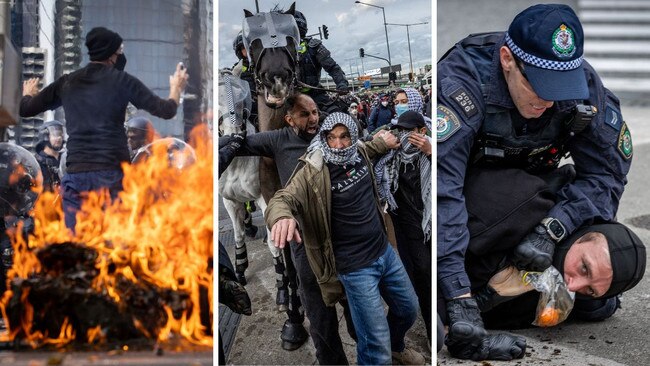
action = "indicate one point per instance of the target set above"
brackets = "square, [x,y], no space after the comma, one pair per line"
[286,146]
[333,195]
[48,152]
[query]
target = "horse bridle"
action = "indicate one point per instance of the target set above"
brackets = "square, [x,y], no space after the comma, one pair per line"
[259,84]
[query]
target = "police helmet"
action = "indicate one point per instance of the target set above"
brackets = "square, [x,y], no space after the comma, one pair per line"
[238,45]
[47,132]
[21,180]
[302,23]
[139,132]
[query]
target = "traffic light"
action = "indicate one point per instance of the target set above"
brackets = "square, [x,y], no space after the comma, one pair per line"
[326,33]
[410,76]
[392,76]
[361,53]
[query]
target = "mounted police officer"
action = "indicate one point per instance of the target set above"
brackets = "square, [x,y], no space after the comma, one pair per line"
[314,57]
[48,152]
[522,99]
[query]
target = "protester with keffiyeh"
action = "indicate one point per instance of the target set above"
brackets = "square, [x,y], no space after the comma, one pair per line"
[333,194]
[406,178]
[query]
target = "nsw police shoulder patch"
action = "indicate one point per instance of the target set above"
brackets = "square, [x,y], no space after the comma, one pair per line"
[625,142]
[447,123]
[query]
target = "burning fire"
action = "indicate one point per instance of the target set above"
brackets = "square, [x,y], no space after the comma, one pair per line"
[156,239]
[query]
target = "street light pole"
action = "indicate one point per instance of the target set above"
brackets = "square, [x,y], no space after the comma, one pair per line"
[385,30]
[408,38]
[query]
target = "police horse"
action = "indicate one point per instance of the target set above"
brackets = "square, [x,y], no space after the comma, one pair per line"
[241,181]
[271,40]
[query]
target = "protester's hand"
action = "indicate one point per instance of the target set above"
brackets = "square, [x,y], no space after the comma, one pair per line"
[30,87]
[535,252]
[178,81]
[283,231]
[391,140]
[343,90]
[502,347]
[508,282]
[421,142]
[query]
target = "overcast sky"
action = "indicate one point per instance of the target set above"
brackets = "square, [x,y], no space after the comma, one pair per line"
[351,26]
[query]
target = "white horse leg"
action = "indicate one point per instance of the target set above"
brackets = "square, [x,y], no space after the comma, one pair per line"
[236,212]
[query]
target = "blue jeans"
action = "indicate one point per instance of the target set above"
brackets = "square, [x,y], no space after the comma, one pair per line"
[73,185]
[379,334]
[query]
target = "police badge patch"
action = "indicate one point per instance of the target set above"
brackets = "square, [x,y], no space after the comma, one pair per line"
[447,123]
[563,42]
[625,142]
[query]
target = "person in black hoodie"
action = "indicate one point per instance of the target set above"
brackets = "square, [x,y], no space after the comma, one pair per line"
[94,99]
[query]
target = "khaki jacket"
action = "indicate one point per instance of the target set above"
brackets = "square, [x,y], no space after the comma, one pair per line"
[307,198]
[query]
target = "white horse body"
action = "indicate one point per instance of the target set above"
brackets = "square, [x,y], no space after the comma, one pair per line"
[240,183]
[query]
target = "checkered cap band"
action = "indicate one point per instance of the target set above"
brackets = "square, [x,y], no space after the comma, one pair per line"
[540,62]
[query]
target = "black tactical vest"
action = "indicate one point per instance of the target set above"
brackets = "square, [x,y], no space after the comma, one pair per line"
[310,68]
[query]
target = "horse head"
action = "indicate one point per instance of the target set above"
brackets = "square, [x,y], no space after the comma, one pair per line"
[234,103]
[271,41]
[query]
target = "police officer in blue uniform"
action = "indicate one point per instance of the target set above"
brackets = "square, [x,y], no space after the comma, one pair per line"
[314,57]
[522,99]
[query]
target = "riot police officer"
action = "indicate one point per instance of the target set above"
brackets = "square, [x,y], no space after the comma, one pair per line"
[243,70]
[522,99]
[314,57]
[21,183]
[48,153]
[139,132]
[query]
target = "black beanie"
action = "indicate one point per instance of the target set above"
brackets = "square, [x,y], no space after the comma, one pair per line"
[102,43]
[626,252]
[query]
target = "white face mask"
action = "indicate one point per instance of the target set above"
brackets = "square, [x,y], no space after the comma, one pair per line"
[353,111]
[384,103]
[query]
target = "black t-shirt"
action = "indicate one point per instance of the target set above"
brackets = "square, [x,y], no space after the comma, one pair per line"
[357,235]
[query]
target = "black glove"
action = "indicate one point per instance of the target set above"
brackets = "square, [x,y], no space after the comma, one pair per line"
[502,346]
[535,252]
[487,298]
[236,140]
[234,295]
[465,323]
[343,90]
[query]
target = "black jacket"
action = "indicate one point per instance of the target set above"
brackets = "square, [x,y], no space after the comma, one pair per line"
[94,99]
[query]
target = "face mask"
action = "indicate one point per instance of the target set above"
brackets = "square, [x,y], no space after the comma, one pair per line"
[401,108]
[384,103]
[120,62]
[353,112]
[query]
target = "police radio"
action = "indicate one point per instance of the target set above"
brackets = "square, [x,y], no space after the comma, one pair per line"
[581,118]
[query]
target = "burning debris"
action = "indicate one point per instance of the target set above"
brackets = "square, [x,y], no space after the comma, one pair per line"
[136,268]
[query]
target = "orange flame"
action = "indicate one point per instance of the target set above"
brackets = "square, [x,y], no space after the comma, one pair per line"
[160,231]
